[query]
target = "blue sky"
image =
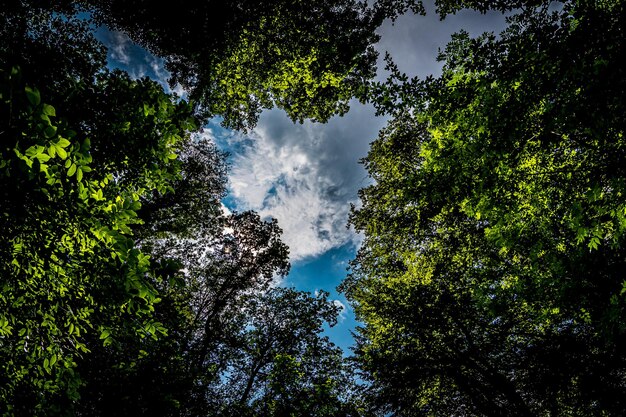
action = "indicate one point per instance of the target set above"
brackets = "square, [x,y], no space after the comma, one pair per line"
[307,175]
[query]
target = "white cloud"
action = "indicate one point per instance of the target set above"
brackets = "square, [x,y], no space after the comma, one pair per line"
[119,47]
[283,182]
[304,175]
[414,41]
[162,76]
[137,61]
[343,310]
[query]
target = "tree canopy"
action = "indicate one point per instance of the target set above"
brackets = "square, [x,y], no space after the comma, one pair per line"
[118,262]
[491,277]
[490,281]
[236,58]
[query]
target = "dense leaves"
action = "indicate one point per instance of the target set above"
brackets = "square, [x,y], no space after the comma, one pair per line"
[238,57]
[126,289]
[278,363]
[491,277]
[69,263]
[490,281]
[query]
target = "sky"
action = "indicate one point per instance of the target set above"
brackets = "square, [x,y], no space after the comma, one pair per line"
[307,175]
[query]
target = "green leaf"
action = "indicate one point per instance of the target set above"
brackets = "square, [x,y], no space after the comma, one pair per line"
[43,157]
[49,110]
[62,152]
[79,174]
[64,143]
[50,131]
[34,150]
[72,170]
[33,95]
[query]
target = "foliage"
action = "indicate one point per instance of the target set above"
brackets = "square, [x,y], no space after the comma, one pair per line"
[279,364]
[205,286]
[70,267]
[237,58]
[126,289]
[491,277]
[81,148]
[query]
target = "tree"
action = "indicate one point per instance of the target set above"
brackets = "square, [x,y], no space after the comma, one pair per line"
[73,174]
[117,262]
[237,58]
[491,278]
[69,265]
[140,201]
[205,286]
[279,364]
[150,376]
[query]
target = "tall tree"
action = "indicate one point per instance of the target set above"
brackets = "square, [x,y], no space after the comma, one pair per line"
[239,57]
[69,264]
[279,364]
[491,277]
[117,264]
[81,148]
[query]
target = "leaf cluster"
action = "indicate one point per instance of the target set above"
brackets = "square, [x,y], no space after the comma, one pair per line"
[490,280]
